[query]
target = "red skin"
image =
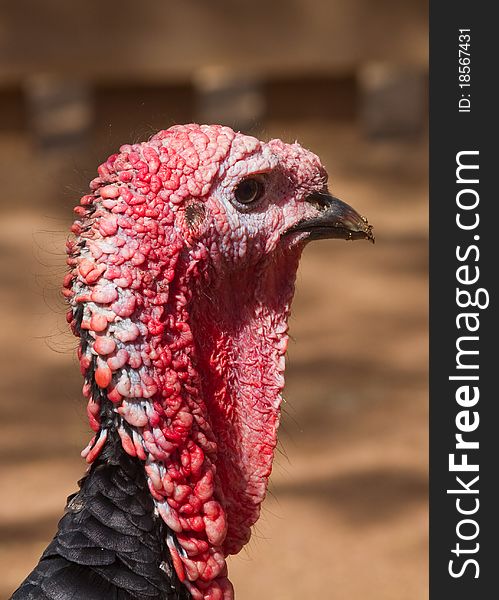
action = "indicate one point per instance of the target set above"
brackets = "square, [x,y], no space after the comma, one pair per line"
[185,298]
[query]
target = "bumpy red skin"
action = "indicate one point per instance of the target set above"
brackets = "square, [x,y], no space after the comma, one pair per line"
[185,297]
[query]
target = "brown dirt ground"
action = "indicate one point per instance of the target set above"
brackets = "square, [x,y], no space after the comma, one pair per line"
[347,515]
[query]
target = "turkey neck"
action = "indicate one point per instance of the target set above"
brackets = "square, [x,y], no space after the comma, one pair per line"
[240,328]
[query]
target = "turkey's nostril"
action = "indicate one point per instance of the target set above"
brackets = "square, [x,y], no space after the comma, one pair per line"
[319,200]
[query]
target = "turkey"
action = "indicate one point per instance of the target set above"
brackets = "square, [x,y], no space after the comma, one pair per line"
[181,274]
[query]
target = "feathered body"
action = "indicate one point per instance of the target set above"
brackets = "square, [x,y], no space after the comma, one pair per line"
[109,543]
[181,277]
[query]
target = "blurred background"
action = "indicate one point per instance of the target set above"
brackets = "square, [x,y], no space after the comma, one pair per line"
[347,514]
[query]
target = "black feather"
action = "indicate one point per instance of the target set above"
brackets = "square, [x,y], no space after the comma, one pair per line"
[110,544]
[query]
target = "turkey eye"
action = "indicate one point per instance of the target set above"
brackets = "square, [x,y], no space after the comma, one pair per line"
[248,191]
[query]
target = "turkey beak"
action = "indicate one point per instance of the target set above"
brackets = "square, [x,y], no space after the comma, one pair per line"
[336,220]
